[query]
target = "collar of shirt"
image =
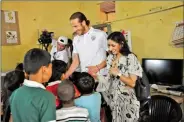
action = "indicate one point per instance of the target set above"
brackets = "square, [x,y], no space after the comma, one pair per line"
[35,84]
[90,30]
[69,108]
[53,83]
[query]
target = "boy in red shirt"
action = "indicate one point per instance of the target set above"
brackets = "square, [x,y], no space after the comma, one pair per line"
[58,68]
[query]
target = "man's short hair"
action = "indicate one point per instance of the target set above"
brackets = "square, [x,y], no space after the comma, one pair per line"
[58,68]
[34,59]
[66,91]
[80,16]
[85,83]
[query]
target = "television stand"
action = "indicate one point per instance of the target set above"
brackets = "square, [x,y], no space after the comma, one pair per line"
[178,99]
[179,88]
[164,84]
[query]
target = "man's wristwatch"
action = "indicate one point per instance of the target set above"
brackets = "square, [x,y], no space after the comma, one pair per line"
[118,76]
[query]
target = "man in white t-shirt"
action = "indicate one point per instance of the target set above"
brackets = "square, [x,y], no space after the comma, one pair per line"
[89,47]
[61,53]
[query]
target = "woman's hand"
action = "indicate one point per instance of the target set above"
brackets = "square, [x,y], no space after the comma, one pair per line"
[114,71]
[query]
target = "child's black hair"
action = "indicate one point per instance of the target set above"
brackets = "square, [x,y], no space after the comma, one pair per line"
[19,67]
[35,59]
[75,77]
[66,91]
[10,83]
[58,68]
[85,83]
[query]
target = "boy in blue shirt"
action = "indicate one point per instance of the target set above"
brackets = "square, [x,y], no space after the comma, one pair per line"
[89,99]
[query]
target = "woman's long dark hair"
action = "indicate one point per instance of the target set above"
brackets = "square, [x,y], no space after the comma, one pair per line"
[11,82]
[119,38]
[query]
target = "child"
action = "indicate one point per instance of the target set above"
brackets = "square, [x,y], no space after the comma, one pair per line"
[58,68]
[31,102]
[11,82]
[89,99]
[74,77]
[69,112]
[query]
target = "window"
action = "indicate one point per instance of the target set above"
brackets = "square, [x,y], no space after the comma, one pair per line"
[178,37]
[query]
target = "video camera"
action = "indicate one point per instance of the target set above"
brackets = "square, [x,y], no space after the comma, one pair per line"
[45,39]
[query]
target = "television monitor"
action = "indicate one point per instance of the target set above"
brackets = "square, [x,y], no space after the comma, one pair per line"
[163,71]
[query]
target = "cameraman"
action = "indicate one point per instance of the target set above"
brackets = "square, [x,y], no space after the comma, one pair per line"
[62,52]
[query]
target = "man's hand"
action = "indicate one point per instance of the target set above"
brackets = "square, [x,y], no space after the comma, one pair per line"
[93,69]
[73,67]
[63,77]
[94,75]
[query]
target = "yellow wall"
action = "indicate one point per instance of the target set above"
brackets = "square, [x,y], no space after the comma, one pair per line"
[33,16]
[150,34]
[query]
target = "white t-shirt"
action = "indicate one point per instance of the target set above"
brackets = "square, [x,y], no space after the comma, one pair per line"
[69,52]
[91,48]
[60,55]
[54,47]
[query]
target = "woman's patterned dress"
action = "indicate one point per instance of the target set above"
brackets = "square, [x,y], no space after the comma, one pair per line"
[120,97]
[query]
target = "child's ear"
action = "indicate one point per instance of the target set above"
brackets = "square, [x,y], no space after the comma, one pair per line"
[44,69]
[26,75]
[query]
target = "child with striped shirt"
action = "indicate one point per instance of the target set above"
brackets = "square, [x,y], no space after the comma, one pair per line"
[69,112]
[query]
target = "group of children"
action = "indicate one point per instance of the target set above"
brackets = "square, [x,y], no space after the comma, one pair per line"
[37,94]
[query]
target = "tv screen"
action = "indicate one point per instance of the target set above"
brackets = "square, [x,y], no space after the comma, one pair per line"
[163,71]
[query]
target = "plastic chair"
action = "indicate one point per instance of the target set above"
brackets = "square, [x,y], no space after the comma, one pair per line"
[164,109]
[144,111]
